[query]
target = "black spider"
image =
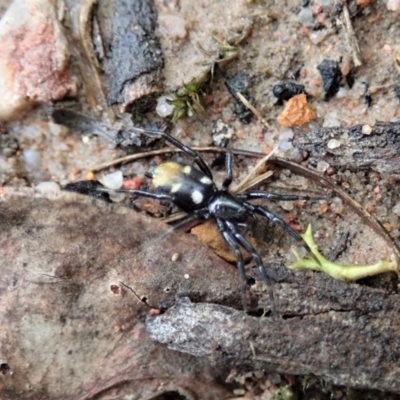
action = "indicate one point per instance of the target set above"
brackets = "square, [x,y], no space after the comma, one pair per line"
[194,191]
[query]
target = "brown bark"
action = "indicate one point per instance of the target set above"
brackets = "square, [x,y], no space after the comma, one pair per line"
[72,330]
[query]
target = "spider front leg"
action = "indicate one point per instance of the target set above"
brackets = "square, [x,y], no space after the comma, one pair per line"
[142,193]
[256,257]
[196,157]
[260,210]
[260,194]
[232,243]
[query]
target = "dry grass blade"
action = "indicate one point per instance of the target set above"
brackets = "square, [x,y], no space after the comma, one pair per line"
[252,108]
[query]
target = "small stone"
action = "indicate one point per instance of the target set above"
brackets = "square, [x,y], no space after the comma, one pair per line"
[337,205]
[112,181]
[306,17]
[175,257]
[393,5]
[322,166]
[34,57]
[287,205]
[44,188]
[388,227]
[285,146]
[342,92]
[221,132]
[366,130]
[333,144]
[164,108]
[286,134]
[32,160]
[297,112]
[331,75]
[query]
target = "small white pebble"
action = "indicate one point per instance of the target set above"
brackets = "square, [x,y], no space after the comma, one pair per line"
[342,92]
[393,5]
[164,108]
[286,134]
[175,257]
[47,188]
[85,139]
[366,129]
[333,144]
[31,159]
[337,205]
[287,205]
[186,276]
[112,181]
[285,146]
[322,166]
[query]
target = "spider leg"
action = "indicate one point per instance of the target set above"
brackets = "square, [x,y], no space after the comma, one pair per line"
[197,158]
[257,259]
[198,214]
[143,193]
[280,222]
[260,194]
[233,244]
[229,169]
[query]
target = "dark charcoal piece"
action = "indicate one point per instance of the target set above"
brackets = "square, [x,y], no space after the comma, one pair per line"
[240,83]
[367,95]
[295,74]
[331,77]
[135,57]
[286,90]
[338,7]
[350,79]
[88,188]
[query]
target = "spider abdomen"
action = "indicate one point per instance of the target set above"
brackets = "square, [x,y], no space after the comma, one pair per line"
[189,187]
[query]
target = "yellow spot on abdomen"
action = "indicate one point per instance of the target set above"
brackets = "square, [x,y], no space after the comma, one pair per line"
[167,174]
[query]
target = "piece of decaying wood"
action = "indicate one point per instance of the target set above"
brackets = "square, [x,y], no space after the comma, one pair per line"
[69,328]
[65,313]
[362,146]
